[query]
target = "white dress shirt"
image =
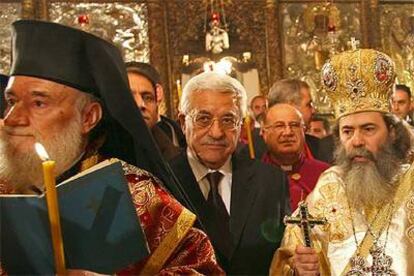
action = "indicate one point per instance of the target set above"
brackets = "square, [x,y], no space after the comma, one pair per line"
[200,171]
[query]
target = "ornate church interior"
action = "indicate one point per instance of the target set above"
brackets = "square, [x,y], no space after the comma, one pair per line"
[257,41]
[206,137]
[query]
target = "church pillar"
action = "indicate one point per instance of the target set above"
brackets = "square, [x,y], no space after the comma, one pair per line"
[35,9]
[370,25]
[274,64]
[159,48]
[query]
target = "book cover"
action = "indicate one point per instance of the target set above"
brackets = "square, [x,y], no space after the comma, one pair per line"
[100,226]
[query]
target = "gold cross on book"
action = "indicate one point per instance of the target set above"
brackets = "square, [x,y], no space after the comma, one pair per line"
[306,222]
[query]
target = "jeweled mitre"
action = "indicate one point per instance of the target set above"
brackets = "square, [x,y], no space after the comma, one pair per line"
[359,80]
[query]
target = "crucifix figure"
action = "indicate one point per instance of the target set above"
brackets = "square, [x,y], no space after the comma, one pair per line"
[354,43]
[306,222]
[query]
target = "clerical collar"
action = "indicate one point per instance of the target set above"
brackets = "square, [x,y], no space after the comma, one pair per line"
[267,158]
[200,170]
[286,168]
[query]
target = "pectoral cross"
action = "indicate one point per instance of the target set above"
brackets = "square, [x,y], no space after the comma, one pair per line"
[354,43]
[306,222]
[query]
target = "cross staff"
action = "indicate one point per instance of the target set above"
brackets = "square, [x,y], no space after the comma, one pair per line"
[306,222]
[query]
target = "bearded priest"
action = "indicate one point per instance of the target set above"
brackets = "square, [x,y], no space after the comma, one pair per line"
[69,90]
[368,197]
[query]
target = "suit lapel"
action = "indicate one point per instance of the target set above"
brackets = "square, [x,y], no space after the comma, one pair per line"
[243,194]
[186,176]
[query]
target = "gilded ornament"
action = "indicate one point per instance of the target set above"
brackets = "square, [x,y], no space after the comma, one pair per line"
[410,214]
[358,266]
[359,87]
[410,233]
[356,89]
[329,77]
[333,206]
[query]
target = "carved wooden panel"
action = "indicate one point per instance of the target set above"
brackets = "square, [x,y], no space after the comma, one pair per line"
[10,11]
[397,38]
[123,23]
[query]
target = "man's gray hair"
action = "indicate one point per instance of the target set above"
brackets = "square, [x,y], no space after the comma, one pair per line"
[286,91]
[212,81]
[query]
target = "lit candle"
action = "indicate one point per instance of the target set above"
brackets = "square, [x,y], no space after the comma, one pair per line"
[53,208]
[247,123]
[179,90]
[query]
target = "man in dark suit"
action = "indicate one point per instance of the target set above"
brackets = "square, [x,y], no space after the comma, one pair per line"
[241,202]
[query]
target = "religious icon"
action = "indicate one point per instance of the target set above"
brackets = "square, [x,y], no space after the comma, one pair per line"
[322,24]
[329,78]
[217,39]
[383,70]
[397,28]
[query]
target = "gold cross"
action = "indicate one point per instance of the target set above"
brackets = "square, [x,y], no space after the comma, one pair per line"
[354,43]
[306,222]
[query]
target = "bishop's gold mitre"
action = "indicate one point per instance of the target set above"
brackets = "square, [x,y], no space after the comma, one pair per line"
[359,80]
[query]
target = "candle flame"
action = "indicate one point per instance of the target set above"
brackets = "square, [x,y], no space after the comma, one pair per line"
[41,151]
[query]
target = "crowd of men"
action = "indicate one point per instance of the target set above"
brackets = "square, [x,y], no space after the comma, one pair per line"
[72,92]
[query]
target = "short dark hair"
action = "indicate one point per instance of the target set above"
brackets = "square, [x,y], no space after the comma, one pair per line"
[145,69]
[286,91]
[320,118]
[403,143]
[404,88]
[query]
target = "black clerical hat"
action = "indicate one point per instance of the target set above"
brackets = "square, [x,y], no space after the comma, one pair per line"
[81,60]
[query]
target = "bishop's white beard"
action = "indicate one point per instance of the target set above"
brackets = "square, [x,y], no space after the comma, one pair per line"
[23,169]
[369,184]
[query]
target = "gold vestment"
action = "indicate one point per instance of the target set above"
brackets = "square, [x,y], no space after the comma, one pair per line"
[335,242]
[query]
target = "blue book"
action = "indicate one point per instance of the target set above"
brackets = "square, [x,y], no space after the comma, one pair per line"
[100,226]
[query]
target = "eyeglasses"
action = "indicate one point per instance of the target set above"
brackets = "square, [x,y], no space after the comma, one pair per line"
[206,120]
[281,126]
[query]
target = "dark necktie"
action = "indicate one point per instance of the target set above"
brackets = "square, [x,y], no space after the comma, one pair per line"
[219,217]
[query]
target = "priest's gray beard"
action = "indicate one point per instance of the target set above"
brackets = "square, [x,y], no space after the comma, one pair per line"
[24,169]
[369,184]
